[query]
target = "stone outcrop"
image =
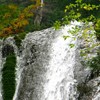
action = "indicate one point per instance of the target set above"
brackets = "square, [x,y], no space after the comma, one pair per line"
[48,69]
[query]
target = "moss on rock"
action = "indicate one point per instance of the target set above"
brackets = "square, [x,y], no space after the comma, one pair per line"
[8,77]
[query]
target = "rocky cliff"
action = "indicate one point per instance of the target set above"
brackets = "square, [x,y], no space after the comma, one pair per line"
[48,69]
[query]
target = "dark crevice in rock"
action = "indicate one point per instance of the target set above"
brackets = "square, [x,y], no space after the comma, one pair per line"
[94,74]
[84,91]
[7,50]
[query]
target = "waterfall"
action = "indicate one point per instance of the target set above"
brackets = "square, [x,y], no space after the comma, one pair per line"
[60,82]
[47,68]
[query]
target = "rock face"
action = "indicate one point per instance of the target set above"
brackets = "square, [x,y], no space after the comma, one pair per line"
[48,69]
[7,47]
[1,65]
[47,64]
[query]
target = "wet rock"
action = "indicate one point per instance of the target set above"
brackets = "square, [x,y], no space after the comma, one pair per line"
[7,50]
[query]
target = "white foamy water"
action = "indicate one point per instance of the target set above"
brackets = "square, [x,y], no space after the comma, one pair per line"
[60,75]
[60,83]
[18,76]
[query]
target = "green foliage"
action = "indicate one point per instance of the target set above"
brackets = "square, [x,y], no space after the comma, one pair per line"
[14,19]
[80,11]
[71,45]
[18,38]
[8,77]
[7,13]
[97,28]
[57,25]
[74,30]
[54,10]
[83,11]
[95,63]
[21,18]
[65,37]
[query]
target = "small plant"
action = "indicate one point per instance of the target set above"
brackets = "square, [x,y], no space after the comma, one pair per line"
[18,38]
[97,29]
[57,25]
[71,45]
[94,63]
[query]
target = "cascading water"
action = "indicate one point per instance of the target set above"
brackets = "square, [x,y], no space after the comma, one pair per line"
[47,67]
[60,77]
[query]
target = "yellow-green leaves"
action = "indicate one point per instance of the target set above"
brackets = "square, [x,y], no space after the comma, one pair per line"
[89,6]
[78,1]
[65,37]
[84,12]
[97,28]
[81,11]
[57,25]
[74,31]
[71,45]
[12,7]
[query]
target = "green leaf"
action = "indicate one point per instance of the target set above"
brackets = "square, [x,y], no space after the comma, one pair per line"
[65,37]
[71,45]
[57,25]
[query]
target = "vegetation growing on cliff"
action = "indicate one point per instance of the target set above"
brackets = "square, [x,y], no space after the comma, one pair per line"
[95,65]
[8,77]
[84,12]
